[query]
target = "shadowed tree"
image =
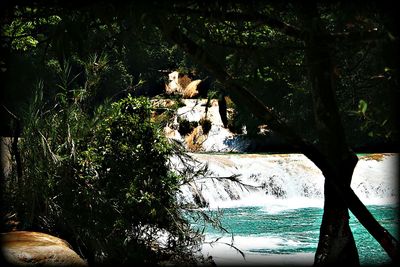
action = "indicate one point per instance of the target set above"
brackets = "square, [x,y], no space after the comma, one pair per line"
[331,152]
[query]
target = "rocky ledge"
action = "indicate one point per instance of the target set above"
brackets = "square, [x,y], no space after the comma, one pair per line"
[22,248]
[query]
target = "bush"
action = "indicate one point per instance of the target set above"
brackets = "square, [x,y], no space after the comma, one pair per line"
[134,183]
[185,126]
[103,183]
[205,125]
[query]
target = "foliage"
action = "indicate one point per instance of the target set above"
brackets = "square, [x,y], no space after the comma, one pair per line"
[205,125]
[257,53]
[103,183]
[185,126]
[251,43]
[96,45]
[24,35]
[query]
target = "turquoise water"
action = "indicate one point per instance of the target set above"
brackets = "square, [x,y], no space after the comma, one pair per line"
[256,231]
[278,221]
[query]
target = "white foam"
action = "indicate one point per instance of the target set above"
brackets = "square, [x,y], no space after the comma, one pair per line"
[289,181]
[224,254]
[255,242]
[279,205]
[376,181]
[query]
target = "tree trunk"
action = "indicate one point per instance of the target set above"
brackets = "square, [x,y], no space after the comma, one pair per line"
[336,243]
[4,170]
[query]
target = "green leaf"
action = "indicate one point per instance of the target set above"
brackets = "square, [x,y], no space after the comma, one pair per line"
[362,107]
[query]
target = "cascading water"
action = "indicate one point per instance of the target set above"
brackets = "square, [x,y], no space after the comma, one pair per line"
[287,181]
[275,219]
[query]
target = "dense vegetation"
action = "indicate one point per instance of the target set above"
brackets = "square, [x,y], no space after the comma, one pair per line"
[324,77]
[103,182]
[127,54]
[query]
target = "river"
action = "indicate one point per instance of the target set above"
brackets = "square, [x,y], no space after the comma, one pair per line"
[277,220]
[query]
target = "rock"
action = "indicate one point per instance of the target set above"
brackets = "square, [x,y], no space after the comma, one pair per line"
[184,81]
[182,85]
[22,248]
[172,133]
[162,103]
[191,90]
[173,85]
[195,139]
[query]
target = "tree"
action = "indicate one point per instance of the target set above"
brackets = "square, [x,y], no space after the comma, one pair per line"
[331,153]
[76,151]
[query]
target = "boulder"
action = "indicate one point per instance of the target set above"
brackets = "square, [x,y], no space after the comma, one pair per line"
[191,90]
[195,139]
[179,84]
[23,248]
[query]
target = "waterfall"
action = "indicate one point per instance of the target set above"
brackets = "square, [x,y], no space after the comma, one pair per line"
[262,210]
[286,181]
[218,139]
[276,181]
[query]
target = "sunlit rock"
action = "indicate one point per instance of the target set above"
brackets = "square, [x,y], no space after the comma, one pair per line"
[195,139]
[191,90]
[172,133]
[162,103]
[216,139]
[180,84]
[173,85]
[22,248]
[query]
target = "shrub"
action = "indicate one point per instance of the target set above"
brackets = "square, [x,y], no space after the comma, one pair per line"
[205,125]
[185,126]
[134,183]
[103,183]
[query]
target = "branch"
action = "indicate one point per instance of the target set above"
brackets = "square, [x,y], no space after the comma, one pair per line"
[233,178]
[361,36]
[240,17]
[260,48]
[276,24]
